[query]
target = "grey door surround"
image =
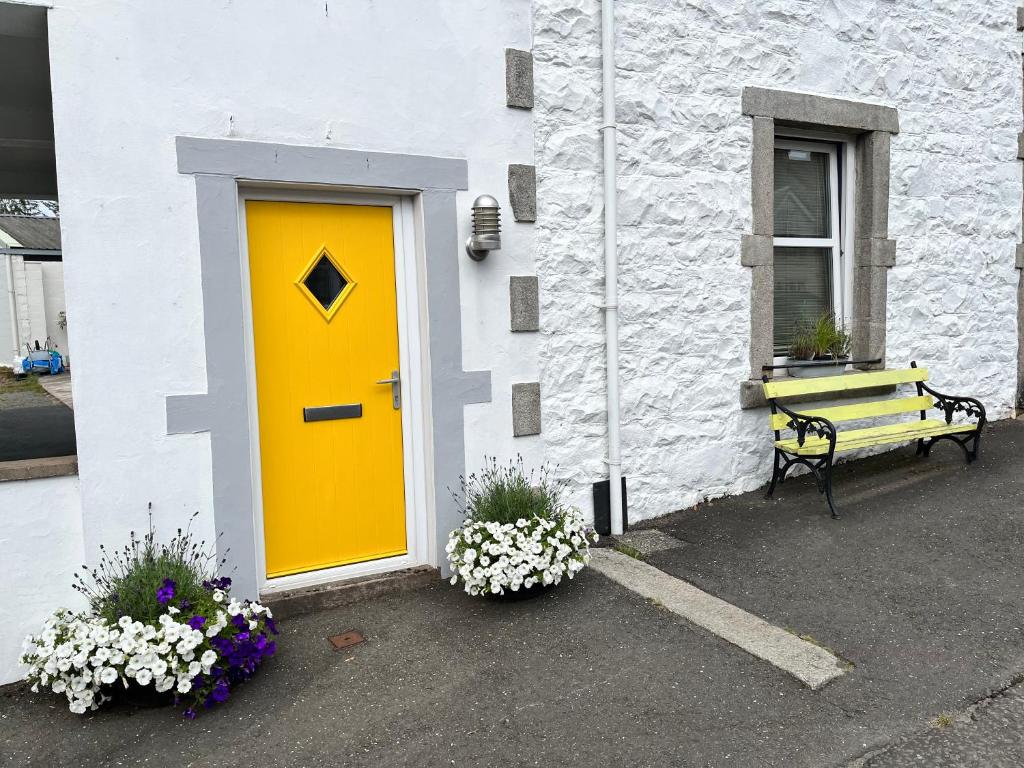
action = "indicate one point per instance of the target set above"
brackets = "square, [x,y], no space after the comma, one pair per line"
[218,166]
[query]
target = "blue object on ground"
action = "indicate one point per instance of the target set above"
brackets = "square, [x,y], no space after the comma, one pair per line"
[51,362]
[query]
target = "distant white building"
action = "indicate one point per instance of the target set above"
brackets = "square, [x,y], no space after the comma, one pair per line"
[31,258]
[275,321]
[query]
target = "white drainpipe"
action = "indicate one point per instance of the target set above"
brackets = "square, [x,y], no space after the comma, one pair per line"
[12,305]
[611,265]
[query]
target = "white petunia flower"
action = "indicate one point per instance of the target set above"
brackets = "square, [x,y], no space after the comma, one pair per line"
[164,684]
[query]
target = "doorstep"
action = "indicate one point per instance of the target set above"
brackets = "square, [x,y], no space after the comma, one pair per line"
[324,596]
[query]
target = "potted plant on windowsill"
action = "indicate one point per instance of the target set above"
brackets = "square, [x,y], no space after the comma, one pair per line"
[518,538]
[823,347]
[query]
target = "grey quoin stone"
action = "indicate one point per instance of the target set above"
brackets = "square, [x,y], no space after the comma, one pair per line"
[756,251]
[519,78]
[523,303]
[526,409]
[522,192]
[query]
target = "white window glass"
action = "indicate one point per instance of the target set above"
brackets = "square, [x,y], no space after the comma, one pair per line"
[808,253]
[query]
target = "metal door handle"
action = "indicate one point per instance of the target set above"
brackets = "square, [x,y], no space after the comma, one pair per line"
[396,389]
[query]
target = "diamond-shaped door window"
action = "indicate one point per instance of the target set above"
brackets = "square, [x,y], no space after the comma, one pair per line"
[325,283]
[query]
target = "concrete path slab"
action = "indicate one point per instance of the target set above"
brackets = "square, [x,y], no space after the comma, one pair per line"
[60,387]
[811,665]
[647,541]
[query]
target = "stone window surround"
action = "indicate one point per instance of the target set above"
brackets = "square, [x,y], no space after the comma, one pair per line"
[873,126]
[218,167]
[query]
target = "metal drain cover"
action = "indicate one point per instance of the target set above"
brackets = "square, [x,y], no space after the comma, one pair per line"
[346,640]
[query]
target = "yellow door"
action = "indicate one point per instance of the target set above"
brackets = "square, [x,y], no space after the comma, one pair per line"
[325,324]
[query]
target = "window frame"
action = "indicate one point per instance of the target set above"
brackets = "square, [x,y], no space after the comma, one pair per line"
[842,180]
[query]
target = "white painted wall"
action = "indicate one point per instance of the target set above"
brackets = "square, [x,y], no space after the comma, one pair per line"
[6,334]
[952,70]
[34,304]
[52,278]
[385,75]
[40,549]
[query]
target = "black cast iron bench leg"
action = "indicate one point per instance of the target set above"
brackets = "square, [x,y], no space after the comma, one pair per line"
[775,475]
[828,489]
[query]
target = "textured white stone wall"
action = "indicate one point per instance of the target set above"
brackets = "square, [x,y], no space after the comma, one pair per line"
[953,71]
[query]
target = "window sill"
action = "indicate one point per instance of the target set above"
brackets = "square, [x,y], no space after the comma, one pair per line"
[36,469]
[752,393]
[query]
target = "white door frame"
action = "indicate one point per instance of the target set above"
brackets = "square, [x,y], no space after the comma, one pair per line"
[412,342]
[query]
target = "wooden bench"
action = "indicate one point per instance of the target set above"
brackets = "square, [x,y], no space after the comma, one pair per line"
[817,440]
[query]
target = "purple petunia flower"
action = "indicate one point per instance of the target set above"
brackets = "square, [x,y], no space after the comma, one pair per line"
[222,583]
[190,714]
[165,593]
[220,691]
[196,622]
[239,621]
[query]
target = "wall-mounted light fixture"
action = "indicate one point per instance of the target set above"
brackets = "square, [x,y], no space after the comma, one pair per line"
[486,235]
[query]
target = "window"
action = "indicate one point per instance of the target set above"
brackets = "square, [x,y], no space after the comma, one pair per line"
[841,164]
[808,243]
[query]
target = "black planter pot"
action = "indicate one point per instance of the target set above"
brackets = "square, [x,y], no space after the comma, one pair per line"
[521,594]
[140,696]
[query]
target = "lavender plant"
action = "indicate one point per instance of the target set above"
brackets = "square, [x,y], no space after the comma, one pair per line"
[507,493]
[126,582]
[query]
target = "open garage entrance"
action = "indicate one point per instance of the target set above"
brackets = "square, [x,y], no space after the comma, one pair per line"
[36,418]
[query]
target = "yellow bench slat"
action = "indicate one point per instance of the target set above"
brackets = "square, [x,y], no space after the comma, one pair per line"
[865,438]
[848,381]
[859,410]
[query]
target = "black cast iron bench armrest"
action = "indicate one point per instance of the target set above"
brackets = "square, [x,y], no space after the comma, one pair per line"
[802,424]
[950,404]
